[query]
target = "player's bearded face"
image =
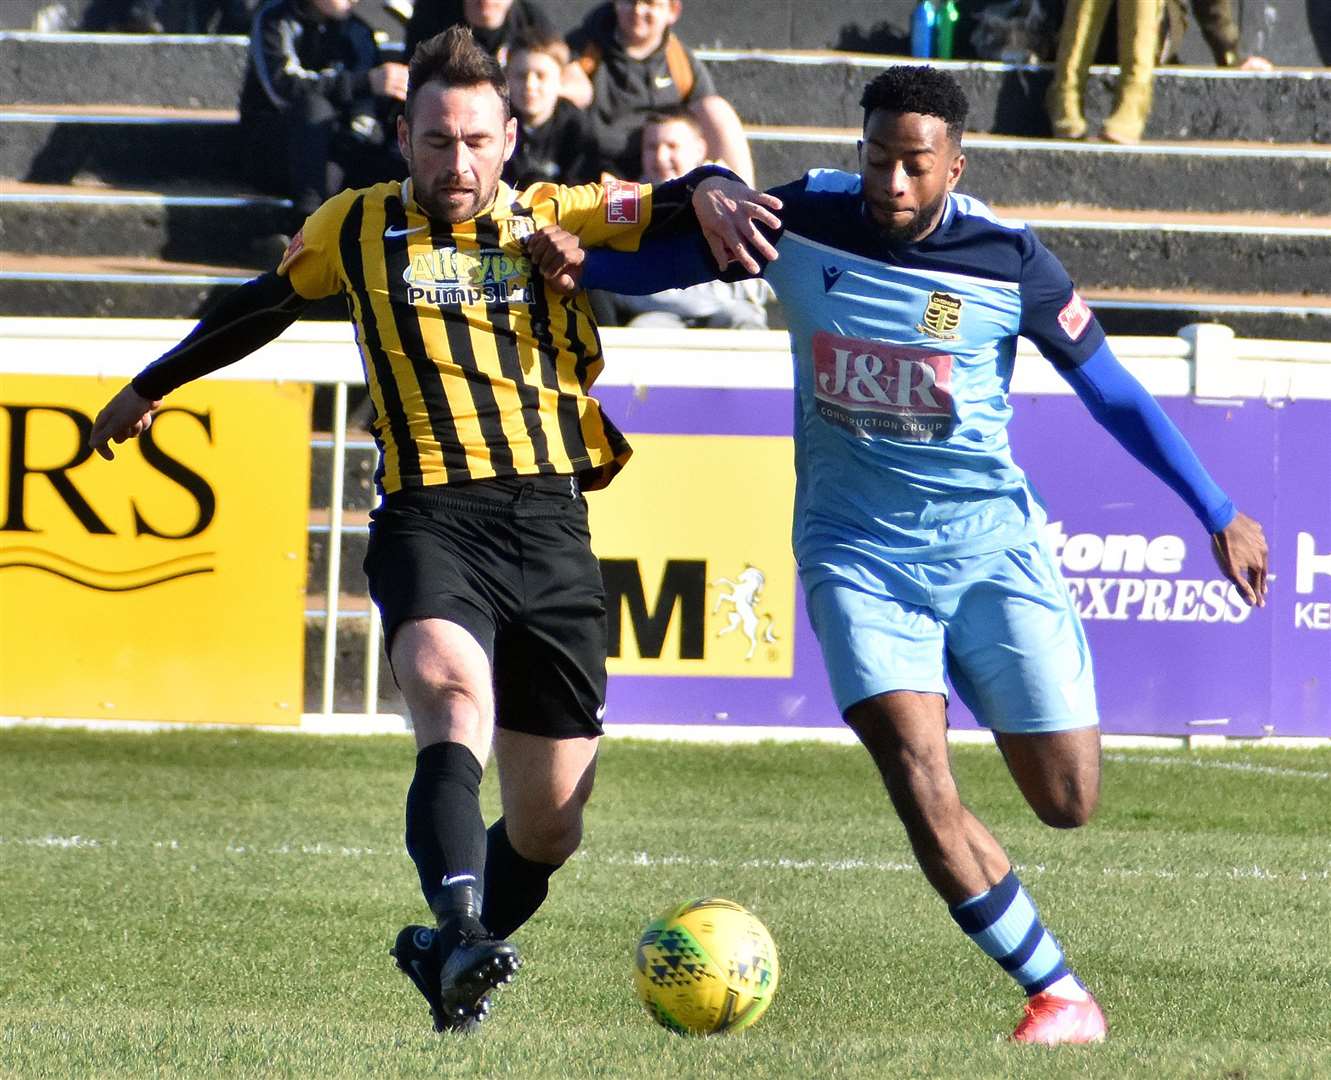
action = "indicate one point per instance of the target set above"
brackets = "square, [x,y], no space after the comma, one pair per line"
[908,164]
[456,145]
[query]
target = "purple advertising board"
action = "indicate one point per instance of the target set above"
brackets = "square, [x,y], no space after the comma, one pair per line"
[1175,651]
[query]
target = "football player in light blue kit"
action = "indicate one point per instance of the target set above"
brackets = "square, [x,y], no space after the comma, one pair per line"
[918,538]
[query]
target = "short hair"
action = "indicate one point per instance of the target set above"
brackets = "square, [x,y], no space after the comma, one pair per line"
[918,88]
[677,114]
[537,40]
[454,59]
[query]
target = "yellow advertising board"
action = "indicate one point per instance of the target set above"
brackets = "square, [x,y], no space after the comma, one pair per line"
[694,543]
[168,584]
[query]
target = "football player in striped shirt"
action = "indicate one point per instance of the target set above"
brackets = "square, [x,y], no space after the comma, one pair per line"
[479,556]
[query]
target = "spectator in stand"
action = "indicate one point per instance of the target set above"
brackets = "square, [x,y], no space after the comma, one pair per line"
[554,136]
[150,16]
[673,145]
[629,63]
[123,16]
[316,102]
[495,24]
[1139,45]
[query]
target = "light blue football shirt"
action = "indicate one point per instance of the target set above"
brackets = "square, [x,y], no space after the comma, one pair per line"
[903,358]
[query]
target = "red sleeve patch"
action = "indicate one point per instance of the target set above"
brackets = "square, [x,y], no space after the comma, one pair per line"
[292,252]
[1075,317]
[623,201]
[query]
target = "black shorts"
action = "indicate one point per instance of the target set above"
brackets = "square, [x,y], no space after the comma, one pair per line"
[510,561]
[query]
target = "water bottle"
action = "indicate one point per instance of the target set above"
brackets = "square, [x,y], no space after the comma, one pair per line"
[922,25]
[945,25]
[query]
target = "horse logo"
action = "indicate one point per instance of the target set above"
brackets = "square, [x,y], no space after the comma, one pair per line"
[744,597]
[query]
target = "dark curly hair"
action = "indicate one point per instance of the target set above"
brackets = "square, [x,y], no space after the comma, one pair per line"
[918,88]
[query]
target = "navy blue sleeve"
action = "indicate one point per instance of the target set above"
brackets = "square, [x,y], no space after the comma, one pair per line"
[670,263]
[1121,405]
[673,260]
[1053,315]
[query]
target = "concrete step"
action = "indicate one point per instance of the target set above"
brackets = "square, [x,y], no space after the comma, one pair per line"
[144,288]
[1289,32]
[823,89]
[1206,176]
[1104,249]
[130,146]
[223,230]
[121,287]
[142,147]
[815,88]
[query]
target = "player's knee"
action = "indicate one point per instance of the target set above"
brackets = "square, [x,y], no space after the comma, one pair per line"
[446,703]
[551,840]
[1070,808]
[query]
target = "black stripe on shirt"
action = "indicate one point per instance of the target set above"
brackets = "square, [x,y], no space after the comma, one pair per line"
[510,363]
[397,257]
[353,262]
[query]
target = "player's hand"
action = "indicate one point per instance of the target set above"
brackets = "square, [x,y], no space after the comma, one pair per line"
[729,213]
[126,416]
[1240,551]
[558,255]
[389,80]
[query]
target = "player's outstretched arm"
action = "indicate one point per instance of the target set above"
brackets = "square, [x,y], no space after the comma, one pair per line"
[1124,408]
[676,262]
[248,317]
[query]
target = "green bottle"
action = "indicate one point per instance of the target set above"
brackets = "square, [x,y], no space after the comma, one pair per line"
[944,29]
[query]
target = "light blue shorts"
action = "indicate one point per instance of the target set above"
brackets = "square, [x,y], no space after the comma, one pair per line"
[1001,625]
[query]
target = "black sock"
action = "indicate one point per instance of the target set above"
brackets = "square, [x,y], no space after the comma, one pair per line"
[514,887]
[445,830]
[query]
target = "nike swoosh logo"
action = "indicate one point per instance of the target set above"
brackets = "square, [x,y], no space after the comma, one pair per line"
[600,712]
[393,234]
[664,80]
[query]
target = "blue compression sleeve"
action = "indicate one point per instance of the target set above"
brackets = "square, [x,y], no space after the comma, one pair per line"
[1121,405]
[674,263]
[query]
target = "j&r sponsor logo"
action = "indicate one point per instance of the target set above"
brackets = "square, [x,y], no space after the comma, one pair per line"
[877,389]
[449,276]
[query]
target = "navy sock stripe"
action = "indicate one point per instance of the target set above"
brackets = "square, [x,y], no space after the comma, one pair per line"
[1023,952]
[979,913]
[1048,980]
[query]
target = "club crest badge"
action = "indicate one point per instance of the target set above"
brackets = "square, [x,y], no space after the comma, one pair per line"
[517,229]
[942,316]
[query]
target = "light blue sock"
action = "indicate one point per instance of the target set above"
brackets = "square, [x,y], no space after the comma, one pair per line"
[1005,925]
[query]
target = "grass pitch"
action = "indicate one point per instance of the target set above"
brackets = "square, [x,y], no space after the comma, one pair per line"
[201,904]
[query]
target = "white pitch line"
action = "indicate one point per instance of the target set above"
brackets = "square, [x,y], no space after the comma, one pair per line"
[646,860]
[1227,766]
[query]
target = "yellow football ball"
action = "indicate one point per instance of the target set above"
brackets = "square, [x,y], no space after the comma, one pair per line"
[706,967]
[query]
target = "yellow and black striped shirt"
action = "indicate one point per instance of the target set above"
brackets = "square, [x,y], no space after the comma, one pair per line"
[475,367]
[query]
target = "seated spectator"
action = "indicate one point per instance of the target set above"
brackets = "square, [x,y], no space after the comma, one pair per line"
[124,16]
[1139,44]
[316,103]
[495,24]
[672,145]
[554,136]
[627,64]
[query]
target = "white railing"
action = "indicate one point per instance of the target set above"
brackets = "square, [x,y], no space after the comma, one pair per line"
[1205,361]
